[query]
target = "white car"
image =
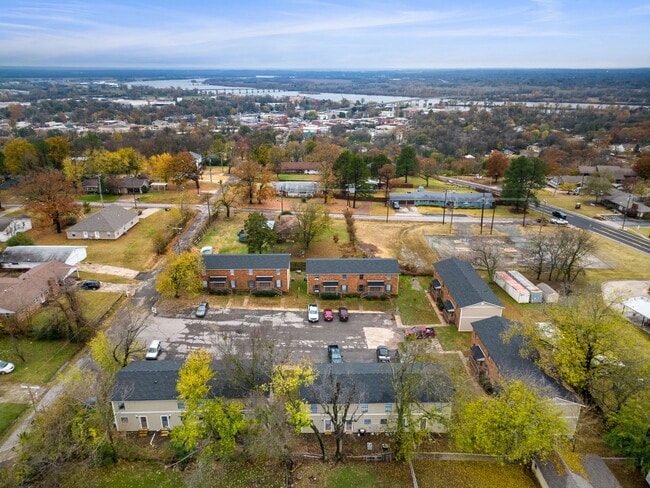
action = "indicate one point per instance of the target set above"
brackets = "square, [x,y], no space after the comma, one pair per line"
[312,312]
[6,367]
[559,222]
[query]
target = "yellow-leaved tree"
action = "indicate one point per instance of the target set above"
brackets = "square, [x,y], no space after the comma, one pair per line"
[183,273]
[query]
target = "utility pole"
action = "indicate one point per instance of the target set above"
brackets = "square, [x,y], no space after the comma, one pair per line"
[627,207]
[99,185]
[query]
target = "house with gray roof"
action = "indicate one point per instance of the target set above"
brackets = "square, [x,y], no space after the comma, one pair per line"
[592,472]
[246,272]
[444,199]
[369,386]
[353,276]
[25,257]
[462,294]
[111,222]
[497,356]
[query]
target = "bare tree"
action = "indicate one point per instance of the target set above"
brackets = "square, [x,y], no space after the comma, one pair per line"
[487,254]
[340,399]
[575,245]
[537,252]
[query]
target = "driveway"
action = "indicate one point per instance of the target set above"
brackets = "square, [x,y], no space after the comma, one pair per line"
[357,338]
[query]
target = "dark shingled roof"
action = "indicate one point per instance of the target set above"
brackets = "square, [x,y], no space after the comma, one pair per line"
[510,363]
[246,261]
[373,382]
[156,380]
[352,266]
[464,283]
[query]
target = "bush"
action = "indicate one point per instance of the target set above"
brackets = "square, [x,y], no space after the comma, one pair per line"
[330,295]
[265,293]
[20,239]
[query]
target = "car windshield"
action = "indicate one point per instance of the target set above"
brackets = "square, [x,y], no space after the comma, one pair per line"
[3,364]
[152,350]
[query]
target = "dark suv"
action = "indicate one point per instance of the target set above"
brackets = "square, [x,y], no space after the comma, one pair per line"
[559,215]
[343,314]
[91,285]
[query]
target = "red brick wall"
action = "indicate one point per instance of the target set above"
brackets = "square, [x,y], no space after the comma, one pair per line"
[352,281]
[242,277]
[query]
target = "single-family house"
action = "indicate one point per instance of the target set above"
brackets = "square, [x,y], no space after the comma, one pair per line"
[110,222]
[353,276]
[496,355]
[584,471]
[25,257]
[618,173]
[300,167]
[444,199]
[10,226]
[129,185]
[23,294]
[462,294]
[627,203]
[246,272]
[370,387]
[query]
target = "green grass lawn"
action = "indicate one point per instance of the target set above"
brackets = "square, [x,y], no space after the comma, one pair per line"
[452,340]
[8,413]
[42,359]
[414,308]
[127,475]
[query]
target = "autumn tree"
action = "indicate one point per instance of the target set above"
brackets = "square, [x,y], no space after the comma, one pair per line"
[183,273]
[597,186]
[183,168]
[516,425]
[210,423]
[20,156]
[407,162]
[428,168]
[248,173]
[496,165]
[312,220]
[628,429]
[412,380]
[48,194]
[159,167]
[114,351]
[227,197]
[58,149]
[259,236]
[583,343]
[642,167]
[386,173]
[287,384]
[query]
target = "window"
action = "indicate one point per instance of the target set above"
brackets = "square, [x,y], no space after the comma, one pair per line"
[364,407]
[124,420]
[180,404]
[316,277]
[344,277]
[360,276]
[383,421]
[121,406]
[232,272]
[389,277]
[313,408]
[367,421]
[277,272]
[250,272]
[388,407]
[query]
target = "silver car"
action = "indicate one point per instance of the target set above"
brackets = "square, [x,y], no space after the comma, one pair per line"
[6,367]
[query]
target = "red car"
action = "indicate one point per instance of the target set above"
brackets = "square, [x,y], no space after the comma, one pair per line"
[421,332]
[328,315]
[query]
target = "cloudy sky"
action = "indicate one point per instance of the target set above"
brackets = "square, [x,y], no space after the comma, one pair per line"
[322,34]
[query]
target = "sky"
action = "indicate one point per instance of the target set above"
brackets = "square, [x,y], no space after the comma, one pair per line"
[315,34]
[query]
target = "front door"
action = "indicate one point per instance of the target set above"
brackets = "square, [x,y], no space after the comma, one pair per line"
[143,423]
[164,421]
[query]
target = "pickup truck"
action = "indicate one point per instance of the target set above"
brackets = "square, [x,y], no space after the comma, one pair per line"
[334,353]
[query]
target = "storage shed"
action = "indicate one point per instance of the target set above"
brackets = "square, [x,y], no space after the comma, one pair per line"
[536,295]
[550,295]
[512,287]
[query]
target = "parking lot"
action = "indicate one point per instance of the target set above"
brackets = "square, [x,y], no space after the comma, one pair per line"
[357,338]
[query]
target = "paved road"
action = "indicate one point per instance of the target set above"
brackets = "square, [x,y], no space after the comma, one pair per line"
[611,230]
